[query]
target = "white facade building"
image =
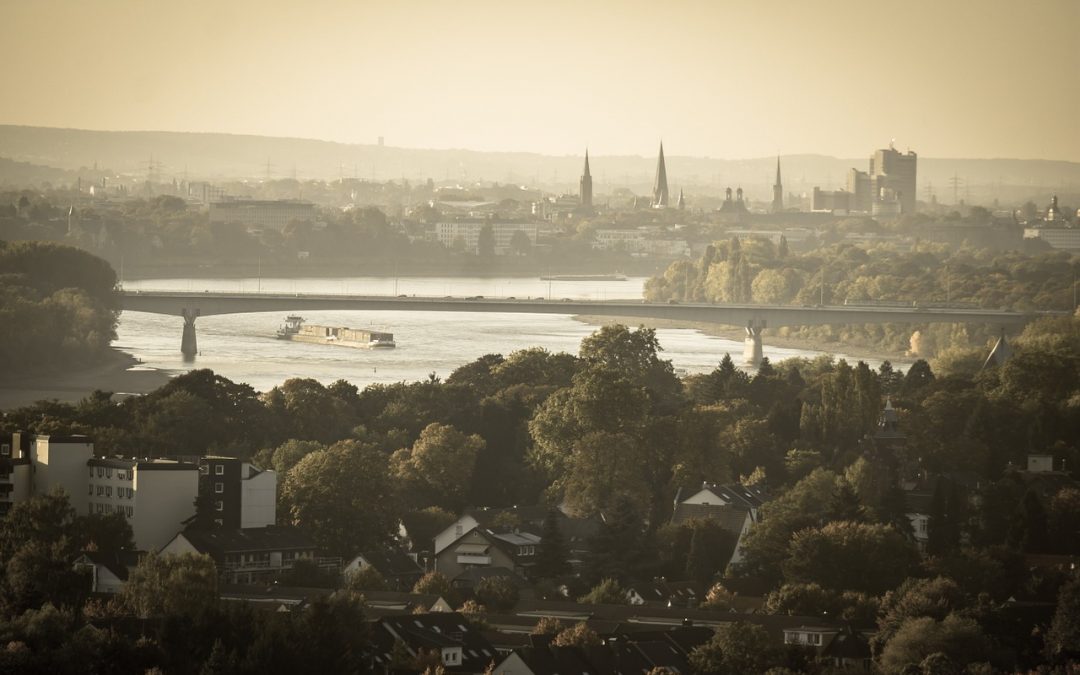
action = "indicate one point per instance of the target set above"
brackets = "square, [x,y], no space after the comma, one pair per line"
[467,234]
[156,496]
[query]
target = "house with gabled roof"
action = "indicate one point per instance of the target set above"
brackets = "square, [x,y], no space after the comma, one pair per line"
[398,568]
[460,647]
[108,572]
[733,506]
[251,554]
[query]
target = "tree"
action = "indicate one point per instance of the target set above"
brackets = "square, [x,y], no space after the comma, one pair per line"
[172,585]
[498,593]
[551,553]
[366,579]
[438,469]
[436,583]
[1028,532]
[1063,639]
[850,556]
[958,639]
[520,243]
[617,544]
[736,648]
[343,495]
[711,546]
[578,635]
[607,592]
[916,598]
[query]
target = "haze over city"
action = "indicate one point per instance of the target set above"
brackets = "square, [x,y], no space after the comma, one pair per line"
[721,79]
[729,337]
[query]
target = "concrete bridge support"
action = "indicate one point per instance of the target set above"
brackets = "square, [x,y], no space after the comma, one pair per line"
[753,353]
[189,346]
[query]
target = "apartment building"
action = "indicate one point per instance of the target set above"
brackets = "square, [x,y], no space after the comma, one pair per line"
[244,496]
[156,496]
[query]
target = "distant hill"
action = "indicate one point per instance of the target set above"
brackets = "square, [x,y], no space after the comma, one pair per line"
[205,156]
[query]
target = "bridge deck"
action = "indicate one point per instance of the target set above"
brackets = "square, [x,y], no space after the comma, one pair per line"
[207,304]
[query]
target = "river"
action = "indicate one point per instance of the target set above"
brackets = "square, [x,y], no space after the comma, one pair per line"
[242,347]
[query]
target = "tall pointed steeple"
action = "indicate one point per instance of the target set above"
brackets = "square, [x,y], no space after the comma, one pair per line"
[778,190]
[660,189]
[681,204]
[585,193]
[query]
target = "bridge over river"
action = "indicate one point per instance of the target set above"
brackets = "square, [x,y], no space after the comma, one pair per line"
[754,318]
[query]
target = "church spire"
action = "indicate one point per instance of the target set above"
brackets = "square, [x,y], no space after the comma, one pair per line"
[585,192]
[778,190]
[660,187]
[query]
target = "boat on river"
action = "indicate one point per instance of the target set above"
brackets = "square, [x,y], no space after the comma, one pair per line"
[584,277]
[296,330]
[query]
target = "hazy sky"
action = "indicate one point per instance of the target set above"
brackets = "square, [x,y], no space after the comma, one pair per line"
[720,78]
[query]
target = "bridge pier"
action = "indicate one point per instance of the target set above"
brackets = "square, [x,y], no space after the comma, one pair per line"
[753,352]
[189,346]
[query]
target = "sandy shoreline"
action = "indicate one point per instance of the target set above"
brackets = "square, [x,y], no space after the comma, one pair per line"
[738,335]
[118,372]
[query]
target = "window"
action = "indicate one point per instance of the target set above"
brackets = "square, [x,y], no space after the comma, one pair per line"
[100,471]
[108,508]
[219,505]
[219,469]
[100,490]
[5,449]
[120,475]
[91,490]
[219,487]
[129,511]
[100,507]
[131,493]
[108,472]
[108,491]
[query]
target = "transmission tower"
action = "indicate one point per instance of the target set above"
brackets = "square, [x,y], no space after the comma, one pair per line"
[956,181]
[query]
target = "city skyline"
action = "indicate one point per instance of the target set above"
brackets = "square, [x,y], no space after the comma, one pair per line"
[481,76]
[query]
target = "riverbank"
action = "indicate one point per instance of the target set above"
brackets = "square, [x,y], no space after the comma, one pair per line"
[738,335]
[117,372]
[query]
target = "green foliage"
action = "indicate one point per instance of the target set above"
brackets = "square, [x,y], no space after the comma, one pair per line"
[1063,639]
[342,495]
[607,592]
[172,585]
[737,648]
[498,593]
[57,306]
[438,469]
[957,639]
[366,579]
[578,635]
[844,555]
[552,557]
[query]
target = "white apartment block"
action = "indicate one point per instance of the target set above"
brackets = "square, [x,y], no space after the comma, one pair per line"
[262,213]
[156,496]
[467,234]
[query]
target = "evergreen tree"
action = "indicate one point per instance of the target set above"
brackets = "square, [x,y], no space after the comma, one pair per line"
[1028,532]
[616,547]
[845,504]
[551,554]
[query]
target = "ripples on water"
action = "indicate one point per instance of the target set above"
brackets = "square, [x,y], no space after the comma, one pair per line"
[242,347]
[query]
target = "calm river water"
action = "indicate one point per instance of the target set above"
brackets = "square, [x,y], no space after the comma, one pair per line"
[242,347]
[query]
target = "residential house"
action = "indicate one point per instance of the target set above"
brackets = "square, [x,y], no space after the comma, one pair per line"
[397,567]
[459,646]
[480,547]
[665,593]
[108,572]
[251,555]
[735,507]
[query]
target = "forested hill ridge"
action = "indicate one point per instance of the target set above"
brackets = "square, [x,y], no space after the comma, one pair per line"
[217,156]
[58,306]
[754,270]
[608,431]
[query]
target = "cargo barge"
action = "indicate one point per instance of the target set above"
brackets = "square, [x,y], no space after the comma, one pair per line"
[296,330]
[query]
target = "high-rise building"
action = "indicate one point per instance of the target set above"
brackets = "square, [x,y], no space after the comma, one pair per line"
[660,188]
[862,194]
[586,184]
[778,190]
[893,174]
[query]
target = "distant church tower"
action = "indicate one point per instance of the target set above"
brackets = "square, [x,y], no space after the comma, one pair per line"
[778,190]
[660,190]
[586,185]
[682,201]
